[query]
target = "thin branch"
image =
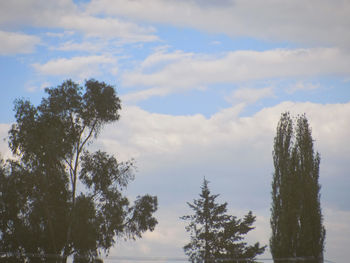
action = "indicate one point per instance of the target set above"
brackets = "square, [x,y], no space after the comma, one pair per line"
[70,169]
[89,136]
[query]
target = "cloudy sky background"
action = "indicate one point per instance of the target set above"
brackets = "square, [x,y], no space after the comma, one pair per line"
[203,84]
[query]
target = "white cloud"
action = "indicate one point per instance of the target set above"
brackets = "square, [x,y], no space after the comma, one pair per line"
[216,43]
[301,86]
[91,45]
[30,87]
[173,154]
[160,59]
[14,43]
[81,67]
[250,95]
[193,139]
[168,237]
[145,94]
[4,149]
[107,28]
[83,46]
[180,71]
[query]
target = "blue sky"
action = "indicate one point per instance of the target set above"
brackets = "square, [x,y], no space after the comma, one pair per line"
[203,84]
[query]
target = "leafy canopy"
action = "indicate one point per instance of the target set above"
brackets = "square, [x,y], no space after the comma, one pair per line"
[57,198]
[296,218]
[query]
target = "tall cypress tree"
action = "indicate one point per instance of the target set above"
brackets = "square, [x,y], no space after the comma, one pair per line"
[296,218]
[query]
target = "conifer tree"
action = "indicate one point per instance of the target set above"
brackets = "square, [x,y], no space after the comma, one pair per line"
[296,218]
[215,235]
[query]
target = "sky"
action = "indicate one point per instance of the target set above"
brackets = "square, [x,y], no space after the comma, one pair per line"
[203,84]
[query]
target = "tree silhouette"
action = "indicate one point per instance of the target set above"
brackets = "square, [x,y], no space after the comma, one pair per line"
[57,198]
[215,235]
[296,218]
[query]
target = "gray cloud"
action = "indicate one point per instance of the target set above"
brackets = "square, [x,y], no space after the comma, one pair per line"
[316,22]
[64,14]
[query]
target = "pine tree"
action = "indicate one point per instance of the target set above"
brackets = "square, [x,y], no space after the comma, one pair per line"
[296,218]
[215,235]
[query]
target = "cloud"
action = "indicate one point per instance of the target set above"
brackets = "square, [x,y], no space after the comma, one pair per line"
[64,14]
[270,20]
[134,97]
[34,12]
[30,87]
[4,149]
[59,35]
[81,67]
[301,86]
[225,141]
[107,28]
[168,237]
[160,59]
[178,71]
[173,153]
[250,95]
[83,46]
[14,43]
[337,234]
[216,43]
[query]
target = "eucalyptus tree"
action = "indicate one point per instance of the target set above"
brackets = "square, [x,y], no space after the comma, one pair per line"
[58,198]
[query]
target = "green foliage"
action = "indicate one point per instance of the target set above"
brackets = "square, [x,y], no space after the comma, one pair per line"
[296,218]
[56,197]
[216,235]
